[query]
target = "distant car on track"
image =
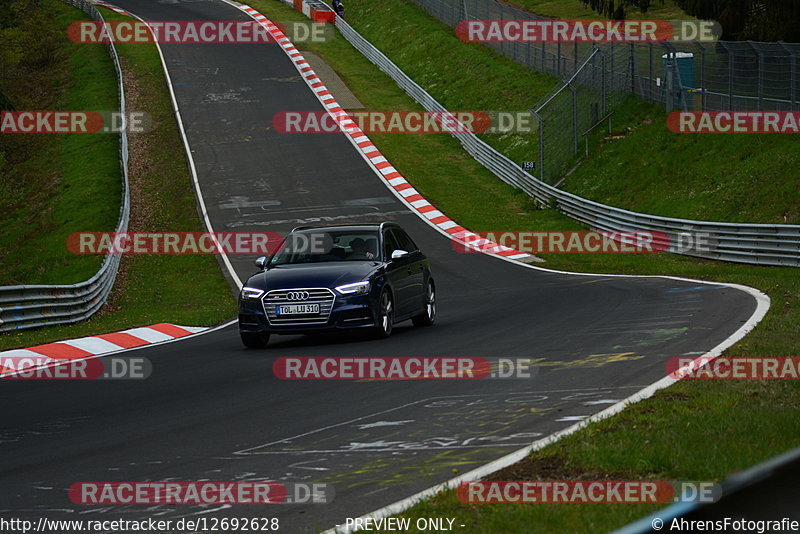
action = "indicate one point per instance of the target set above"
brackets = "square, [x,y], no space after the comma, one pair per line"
[338,278]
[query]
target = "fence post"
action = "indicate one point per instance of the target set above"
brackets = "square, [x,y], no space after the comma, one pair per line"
[633,71]
[541,143]
[760,57]
[730,76]
[793,74]
[558,58]
[703,103]
[670,85]
[652,80]
[543,48]
[574,118]
[528,54]
[612,63]
[603,81]
[575,55]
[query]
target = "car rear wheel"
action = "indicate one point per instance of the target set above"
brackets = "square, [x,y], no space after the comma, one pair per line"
[386,317]
[428,316]
[254,341]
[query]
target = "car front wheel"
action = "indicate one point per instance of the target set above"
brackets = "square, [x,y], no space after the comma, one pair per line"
[254,340]
[386,316]
[428,315]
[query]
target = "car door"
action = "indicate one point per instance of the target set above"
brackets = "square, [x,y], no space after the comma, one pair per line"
[415,269]
[397,271]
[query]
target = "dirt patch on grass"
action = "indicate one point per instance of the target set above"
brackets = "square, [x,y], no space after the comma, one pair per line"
[555,467]
[141,213]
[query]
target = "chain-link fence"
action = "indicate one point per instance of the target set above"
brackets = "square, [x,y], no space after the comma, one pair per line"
[597,77]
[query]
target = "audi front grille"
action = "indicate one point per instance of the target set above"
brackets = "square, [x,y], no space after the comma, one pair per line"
[322,296]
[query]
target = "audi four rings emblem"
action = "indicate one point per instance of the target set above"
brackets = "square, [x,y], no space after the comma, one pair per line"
[297,295]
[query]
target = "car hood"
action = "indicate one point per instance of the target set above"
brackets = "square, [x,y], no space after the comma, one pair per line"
[327,275]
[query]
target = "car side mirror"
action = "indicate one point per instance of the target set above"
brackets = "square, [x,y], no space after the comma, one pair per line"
[261,262]
[397,254]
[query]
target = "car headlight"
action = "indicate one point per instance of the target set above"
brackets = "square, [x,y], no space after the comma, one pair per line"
[359,288]
[251,293]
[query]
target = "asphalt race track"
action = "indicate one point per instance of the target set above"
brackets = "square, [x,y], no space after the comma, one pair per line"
[214,411]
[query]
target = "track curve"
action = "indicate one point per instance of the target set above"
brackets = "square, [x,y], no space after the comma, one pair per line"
[212,410]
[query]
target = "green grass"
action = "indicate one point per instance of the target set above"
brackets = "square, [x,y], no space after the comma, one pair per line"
[187,290]
[699,430]
[60,184]
[734,178]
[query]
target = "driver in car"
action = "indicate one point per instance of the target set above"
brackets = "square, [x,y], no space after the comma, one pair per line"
[360,251]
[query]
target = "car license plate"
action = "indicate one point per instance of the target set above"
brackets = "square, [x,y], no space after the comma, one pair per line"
[296,309]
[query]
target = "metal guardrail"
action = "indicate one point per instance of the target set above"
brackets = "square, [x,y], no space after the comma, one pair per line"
[29,306]
[765,492]
[761,244]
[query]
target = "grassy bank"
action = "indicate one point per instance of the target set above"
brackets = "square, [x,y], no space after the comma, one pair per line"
[694,430]
[189,289]
[53,185]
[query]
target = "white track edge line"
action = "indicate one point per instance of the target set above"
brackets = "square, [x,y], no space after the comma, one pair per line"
[176,111]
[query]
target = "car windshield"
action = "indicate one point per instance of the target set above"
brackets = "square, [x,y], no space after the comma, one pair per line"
[327,246]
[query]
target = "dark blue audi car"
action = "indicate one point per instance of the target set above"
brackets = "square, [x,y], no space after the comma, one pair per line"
[338,278]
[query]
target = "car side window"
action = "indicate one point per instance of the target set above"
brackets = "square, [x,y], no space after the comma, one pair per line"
[389,245]
[404,242]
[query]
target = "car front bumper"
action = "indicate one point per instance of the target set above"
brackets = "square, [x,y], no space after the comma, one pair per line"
[348,312]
